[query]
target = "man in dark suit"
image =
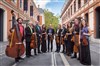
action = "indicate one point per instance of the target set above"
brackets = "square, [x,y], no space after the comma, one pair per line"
[63,33]
[20,29]
[50,32]
[38,33]
[29,31]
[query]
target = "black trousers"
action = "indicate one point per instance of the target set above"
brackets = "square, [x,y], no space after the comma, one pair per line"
[64,47]
[38,43]
[58,46]
[68,47]
[65,41]
[34,51]
[50,42]
[28,49]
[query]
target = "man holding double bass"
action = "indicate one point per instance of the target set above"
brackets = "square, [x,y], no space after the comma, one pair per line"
[16,47]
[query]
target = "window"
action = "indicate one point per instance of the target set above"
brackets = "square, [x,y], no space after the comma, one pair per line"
[31,10]
[15,1]
[86,17]
[79,4]
[75,6]
[25,5]
[20,4]
[68,12]
[85,1]
[38,18]
[71,10]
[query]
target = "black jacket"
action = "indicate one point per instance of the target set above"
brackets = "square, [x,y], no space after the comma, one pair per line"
[59,33]
[64,31]
[51,32]
[28,34]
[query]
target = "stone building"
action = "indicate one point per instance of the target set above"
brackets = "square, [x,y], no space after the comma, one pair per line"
[25,9]
[87,9]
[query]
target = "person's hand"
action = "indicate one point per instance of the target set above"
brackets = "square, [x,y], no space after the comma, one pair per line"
[75,32]
[34,33]
[12,30]
[79,42]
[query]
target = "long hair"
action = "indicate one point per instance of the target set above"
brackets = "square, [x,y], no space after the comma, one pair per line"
[43,28]
[69,26]
[86,24]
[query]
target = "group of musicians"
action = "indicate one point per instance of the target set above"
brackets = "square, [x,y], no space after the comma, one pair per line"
[70,36]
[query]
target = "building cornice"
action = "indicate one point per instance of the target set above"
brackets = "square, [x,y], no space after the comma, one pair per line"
[16,9]
[82,10]
[66,6]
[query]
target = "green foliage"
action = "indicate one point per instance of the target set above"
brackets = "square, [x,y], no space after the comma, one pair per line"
[51,19]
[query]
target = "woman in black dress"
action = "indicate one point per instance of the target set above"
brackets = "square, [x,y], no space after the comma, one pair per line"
[69,36]
[85,57]
[43,39]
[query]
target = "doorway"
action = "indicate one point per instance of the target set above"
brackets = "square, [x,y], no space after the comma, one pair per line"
[1,24]
[98,22]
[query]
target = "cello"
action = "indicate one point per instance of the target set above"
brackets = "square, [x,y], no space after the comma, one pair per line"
[15,48]
[33,43]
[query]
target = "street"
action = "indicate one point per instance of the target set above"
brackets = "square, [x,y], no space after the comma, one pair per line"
[49,58]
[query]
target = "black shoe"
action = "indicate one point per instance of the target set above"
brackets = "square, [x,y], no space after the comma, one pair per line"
[27,56]
[75,56]
[68,54]
[62,52]
[78,58]
[35,54]
[39,52]
[21,58]
[58,51]
[16,60]
[31,55]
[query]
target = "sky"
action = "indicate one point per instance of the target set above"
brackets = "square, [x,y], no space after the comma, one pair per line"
[54,6]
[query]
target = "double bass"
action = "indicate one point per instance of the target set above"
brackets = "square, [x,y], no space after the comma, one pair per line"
[15,48]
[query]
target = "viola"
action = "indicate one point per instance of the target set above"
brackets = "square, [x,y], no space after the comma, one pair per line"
[57,39]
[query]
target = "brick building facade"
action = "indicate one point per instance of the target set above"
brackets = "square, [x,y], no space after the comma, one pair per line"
[87,9]
[19,7]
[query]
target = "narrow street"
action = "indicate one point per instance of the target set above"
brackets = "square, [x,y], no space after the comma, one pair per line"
[49,58]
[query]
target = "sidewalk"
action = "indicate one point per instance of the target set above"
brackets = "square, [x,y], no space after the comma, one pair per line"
[95,47]
[3,47]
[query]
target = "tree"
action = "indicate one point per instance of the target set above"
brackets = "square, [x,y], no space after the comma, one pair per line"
[51,19]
